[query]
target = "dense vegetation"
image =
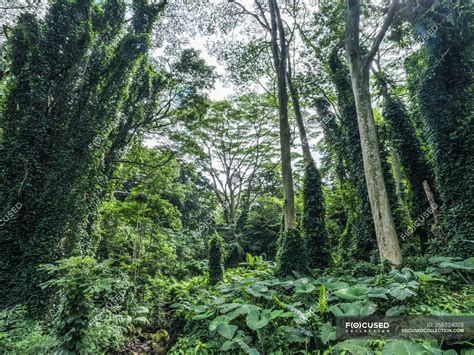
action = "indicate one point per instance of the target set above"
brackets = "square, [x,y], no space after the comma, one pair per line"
[143,211]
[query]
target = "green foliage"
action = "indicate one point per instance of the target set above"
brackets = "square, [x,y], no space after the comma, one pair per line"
[292,256]
[442,80]
[262,227]
[313,223]
[362,231]
[64,108]
[216,259]
[81,326]
[412,158]
[84,96]
[21,335]
[254,312]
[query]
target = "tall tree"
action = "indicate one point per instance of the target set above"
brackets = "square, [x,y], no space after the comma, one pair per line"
[69,80]
[229,145]
[359,64]
[279,53]
[444,90]
[362,231]
[412,158]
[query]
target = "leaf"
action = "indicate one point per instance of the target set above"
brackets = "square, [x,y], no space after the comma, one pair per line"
[351,293]
[467,264]
[202,315]
[228,345]
[200,309]
[378,292]
[243,309]
[327,333]
[258,319]
[273,282]
[355,346]
[248,350]
[259,289]
[403,347]
[216,321]
[227,307]
[335,285]
[426,278]
[276,314]
[401,292]
[353,309]
[226,330]
[395,311]
[250,259]
[305,288]
[322,304]
[292,335]
[403,276]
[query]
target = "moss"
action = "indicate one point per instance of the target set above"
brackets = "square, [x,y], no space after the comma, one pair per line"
[159,341]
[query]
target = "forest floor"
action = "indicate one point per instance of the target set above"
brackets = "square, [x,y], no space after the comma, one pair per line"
[254,312]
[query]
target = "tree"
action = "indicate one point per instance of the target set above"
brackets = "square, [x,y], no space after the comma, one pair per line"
[216,259]
[69,80]
[280,53]
[445,95]
[292,255]
[229,144]
[359,65]
[314,223]
[412,158]
[279,48]
[361,224]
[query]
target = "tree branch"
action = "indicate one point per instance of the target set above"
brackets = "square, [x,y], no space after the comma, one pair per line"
[386,24]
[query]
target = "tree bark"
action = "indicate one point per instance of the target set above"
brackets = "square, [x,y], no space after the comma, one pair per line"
[431,200]
[307,157]
[387,240]
[279,53]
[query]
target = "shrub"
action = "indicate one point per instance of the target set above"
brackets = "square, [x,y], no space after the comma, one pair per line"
[80,281]
[20,335]
[292,256]
[314,229]
[216,260]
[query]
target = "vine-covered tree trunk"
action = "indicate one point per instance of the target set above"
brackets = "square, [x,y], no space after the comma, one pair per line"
[314,219]
[411,157]
[361,230]
[69,78]
[446,97]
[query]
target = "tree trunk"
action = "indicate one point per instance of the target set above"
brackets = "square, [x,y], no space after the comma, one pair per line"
[279,53]
[307,158]
[431,200]
[387,239]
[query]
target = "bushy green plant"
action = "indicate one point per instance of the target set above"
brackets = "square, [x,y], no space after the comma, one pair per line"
[441,81]
[259,235]
[80,281]
[314,225]
[292,255]
[216,259]
[256,313]
[21,335]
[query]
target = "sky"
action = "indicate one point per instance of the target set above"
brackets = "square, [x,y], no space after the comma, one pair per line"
[220,91]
